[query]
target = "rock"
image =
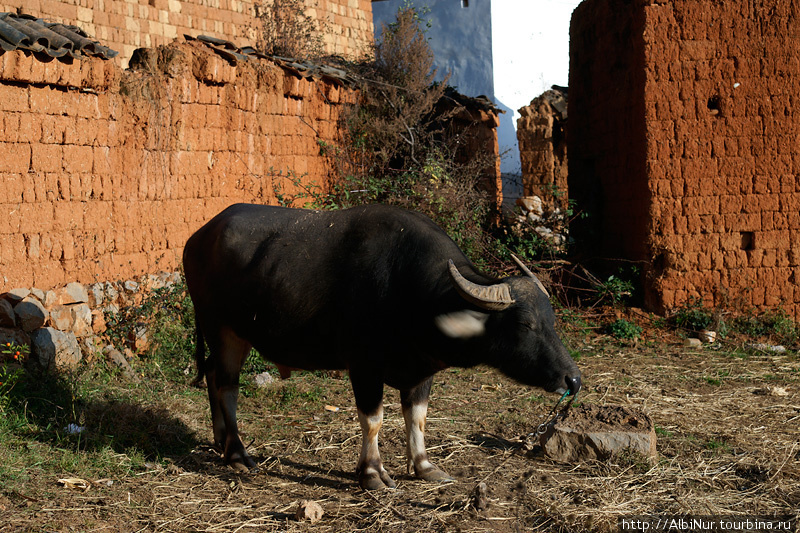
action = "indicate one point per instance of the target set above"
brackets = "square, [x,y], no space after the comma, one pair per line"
[533,218]
[478,498]
[73,293]
[61,317]
[90,347]
[81,320]
[264,380]
[707,336]
[309,510]
[30,314]
[97,294]
[531,204]
[16,295]
[131,286]
[155,282]
[7,317]
[590,432]
[140,339]
[38,294]
[53,349]
[111,292]
[115,357]
[14,336]
[760,347]
[98,322]
[772,391]
[50,298]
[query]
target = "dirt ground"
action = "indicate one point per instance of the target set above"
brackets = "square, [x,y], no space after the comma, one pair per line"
[726,422]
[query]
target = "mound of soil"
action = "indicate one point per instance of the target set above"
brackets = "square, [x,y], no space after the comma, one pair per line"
[597,432]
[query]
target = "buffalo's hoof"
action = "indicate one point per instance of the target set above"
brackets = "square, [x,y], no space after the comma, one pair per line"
[240,468]
[242,464]
[376,481]
[435,474]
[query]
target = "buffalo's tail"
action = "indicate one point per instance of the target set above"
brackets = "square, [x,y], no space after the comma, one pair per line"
[199,355]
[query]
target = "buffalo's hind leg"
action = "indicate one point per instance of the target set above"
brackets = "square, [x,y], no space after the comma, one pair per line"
[368,392]
[415,410]
[227,355]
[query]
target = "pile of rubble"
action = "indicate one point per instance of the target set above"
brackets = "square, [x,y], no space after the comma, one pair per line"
[65,325]
[549,223]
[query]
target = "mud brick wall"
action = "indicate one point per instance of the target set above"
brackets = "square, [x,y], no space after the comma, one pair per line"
[541,132]
[703,107]
[105,173]
[606,129]
[125,25]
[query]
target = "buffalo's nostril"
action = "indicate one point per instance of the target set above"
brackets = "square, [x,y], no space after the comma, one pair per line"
[573,384]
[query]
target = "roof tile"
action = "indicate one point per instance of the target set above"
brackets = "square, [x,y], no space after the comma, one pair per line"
[24,32]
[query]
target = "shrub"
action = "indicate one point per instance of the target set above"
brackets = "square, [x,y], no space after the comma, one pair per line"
[693,316]
[12,356]
[774,325]
[167,316]
[614,289]
[398,148]
[286,30]
[622,329]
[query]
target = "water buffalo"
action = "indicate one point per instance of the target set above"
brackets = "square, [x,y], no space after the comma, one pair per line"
[379,291]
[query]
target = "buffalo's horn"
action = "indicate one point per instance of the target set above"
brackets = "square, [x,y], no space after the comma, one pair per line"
[492,297]
[527,271]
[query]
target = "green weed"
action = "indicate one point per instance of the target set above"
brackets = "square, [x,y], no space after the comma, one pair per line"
[614,290]
[693,316]
[661,432]
[622,329]
[12,357]
[718,445]
[776,326]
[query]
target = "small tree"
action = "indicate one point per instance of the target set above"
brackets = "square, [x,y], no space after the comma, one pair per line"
[285,29]
[396,147]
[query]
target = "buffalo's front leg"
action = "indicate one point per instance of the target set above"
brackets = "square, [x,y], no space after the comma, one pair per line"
[415,410]
[369,400]
[227,355]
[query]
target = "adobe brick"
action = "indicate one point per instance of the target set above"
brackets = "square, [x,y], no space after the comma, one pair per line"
[50,132]
[46,158]
[10,125]
[77,158]
[13,98]
[772,296]
[16,157]
[8,64]
[78,184]
[36,217]
[48,275]
[782,258]
[67,216]
[47,100]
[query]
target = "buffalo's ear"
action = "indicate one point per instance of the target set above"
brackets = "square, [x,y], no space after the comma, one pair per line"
[462,324]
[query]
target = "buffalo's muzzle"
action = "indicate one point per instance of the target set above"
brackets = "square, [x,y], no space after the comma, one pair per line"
[573,384]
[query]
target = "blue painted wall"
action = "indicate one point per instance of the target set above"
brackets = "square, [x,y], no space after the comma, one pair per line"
[460,37]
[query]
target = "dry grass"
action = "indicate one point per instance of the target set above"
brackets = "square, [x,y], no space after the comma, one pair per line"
[727,442]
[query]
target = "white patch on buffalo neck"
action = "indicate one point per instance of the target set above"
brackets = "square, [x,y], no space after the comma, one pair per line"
[462,324]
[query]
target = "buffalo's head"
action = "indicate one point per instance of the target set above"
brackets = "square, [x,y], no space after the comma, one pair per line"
[515,329]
